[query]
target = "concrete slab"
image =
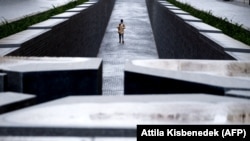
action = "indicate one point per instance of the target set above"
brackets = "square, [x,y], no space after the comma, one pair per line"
[91,2]
[6,50]
[2,81]
[97,116]
[77,9]
[178,11]
[228,43]
[53,77]
[17,39]
[165,3]
[65,15]
[240,55]
[48,24]
[87,4]
[172,7]
[203,27]
[12,101]
[188,18]
[239,93]
[185,76]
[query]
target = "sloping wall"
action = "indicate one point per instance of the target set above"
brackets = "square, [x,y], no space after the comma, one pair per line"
[77,36]
[177,38]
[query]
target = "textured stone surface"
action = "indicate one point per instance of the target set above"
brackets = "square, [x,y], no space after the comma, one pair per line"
[87,4]
[16,40]
[75,37]
[239,93]
[203,27]
[240,55]
[6,50]
[172,7]
[12,101]
[174,37]
[48,24]
[185,76]
[139,43]
[2,81]
[178,11]
[94,116]
[188,18]
[51,78]
[65,15]
[77,9]
[226,43]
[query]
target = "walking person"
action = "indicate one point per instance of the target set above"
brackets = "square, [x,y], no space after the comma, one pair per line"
[121,28]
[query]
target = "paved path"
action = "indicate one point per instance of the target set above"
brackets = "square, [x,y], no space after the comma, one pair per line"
[234,11]
[11,10]
[139,43]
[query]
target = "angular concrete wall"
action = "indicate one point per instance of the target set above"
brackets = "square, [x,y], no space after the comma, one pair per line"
[11,101]
[166,76]
[2,81]
[181,36]
[79,35]
[53,77]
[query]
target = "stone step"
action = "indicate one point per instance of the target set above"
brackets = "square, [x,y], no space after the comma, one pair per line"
[53,77]
[10,101]
[115,116]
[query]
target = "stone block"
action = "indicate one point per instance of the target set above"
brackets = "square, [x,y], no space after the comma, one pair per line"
[49,24]
[20,38]
[6,50]
[242,56]
[181,41]
[72,38]
[202,27]
[2,81]
[178,11]
[87,4]
[11,101]
[24,43]
[65,15]
[95,116]
[172,7]
[187,18]
[239,93]
[51,77]
[91,2]
[165,3]
[77,9]
[185,76]
[225,43]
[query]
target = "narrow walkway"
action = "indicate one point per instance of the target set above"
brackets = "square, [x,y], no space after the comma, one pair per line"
[139,43]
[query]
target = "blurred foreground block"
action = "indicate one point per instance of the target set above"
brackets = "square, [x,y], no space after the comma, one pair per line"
[52,77]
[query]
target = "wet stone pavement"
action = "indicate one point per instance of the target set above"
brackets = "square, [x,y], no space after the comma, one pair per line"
[139,43]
